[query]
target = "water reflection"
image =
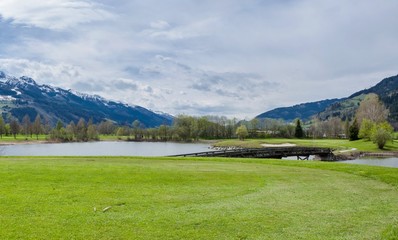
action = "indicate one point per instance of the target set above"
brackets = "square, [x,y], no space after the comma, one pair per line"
[384,162]
[139,149]
[103,149]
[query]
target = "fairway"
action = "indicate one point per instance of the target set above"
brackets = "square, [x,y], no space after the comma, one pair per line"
[168,198]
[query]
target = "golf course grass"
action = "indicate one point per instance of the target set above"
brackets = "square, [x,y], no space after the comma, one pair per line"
[336,144]
[194,198]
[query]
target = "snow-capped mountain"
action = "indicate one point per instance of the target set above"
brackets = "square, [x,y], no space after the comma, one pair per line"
[21,96]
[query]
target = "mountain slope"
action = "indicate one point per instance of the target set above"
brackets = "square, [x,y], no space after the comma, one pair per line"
[345,108]
[21,96]
[302,111]
[386,89]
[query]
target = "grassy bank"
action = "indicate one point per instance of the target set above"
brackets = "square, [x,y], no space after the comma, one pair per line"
[338,144]
[191,198]
[22,139]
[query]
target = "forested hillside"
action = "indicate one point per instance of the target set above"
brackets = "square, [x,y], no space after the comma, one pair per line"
[23,96]
[345,108]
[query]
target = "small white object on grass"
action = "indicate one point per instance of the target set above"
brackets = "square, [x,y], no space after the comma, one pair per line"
[106,209]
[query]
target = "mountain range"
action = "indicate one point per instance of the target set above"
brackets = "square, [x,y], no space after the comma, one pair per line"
[344,108]
[23,96]
[301,111]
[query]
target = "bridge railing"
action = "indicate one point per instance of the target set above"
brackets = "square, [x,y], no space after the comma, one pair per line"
[272,152]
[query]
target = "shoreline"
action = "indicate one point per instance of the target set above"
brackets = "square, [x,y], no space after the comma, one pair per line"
[357,155]
[24,142]
[344,155]
[33,141]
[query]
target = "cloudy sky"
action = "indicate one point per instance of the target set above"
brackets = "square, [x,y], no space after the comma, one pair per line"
[226,57]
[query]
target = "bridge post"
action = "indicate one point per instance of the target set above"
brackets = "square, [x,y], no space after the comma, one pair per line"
[327,157]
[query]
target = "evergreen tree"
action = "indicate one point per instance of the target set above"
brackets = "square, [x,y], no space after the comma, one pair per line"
[354,131]
[299,133]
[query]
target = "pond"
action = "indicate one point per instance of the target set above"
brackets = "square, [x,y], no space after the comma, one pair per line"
[384,162]
[103,149]
[138,149]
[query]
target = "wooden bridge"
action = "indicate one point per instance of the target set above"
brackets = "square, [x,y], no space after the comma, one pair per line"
[302,153]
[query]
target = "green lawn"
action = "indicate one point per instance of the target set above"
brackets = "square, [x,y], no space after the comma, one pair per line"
[194,198]
[338,144]
[21,138]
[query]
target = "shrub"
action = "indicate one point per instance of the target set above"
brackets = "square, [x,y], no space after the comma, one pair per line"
[381,133]
[365,131]
[242,132]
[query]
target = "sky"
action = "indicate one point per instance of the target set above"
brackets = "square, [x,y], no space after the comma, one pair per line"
[229,58]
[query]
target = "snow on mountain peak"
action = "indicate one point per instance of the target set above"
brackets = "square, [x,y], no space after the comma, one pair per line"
[70,105]
[28,80]
[88,96]
[5,78]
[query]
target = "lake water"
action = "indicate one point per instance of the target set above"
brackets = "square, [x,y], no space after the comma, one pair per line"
[137,149]
[103,149]
[384,162]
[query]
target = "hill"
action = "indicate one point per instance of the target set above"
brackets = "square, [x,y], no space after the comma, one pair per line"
[344,109]
[386,89]
[23,96]
[302,111]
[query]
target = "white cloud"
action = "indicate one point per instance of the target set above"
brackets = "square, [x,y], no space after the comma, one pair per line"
[227,57]
[160,24]
[54,14]
[162,30]
[58,74]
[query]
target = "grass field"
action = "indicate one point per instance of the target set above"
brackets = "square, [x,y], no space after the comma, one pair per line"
[338,144]
[187,198]
[22,138]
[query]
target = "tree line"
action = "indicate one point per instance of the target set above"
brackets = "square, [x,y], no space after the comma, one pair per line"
[370,122]
[184,128]
[82,131]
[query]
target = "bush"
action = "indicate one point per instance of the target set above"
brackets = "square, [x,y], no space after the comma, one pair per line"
[242,132]
[381,133]
[380,137]
[365,131]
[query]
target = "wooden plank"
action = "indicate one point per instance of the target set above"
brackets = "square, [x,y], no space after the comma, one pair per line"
[264,152]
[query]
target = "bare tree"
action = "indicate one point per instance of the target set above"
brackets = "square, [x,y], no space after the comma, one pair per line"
[37,127]
[26,125]
[373,109]
[14,127]
[2,126]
